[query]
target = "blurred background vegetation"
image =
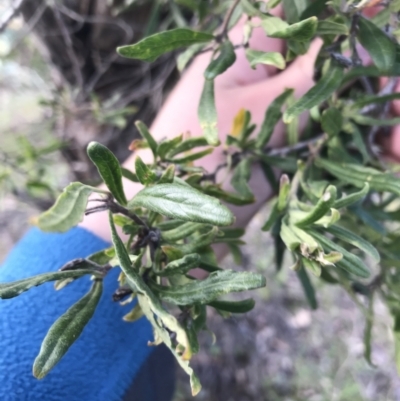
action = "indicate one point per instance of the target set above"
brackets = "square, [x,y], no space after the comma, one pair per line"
[61,86]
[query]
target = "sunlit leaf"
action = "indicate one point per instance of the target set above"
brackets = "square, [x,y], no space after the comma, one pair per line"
[183,203]
[68,210]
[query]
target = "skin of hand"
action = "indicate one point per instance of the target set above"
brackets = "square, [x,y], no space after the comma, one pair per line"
[239,87]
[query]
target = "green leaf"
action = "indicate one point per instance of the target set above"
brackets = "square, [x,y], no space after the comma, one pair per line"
[228,197]
[15,288]
[308,288]
[332,121]
[129,175]
[207,114]
[182,231]
[240,178]
[180,266]
[166,146]
[183,203]
[152,47]
[187,144]
[151,307]
[66,330]
[135,314]
[168,175]
[313,266]
[321,91]
[68,210]
[359,175]
[272,116]
[145,133]
[322,207]
[144,173]
[353,239]
[209,289]
[348,200]
[302,31]
[191,157]
[109,169]
[373,99]
[379,122]
[185,57]
[379,46]
[225,59]
[350,262]
[329,27]
[234,306]
[269,58]
[293,9]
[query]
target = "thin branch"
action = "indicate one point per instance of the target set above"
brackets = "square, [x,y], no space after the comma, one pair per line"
[225,24]
[70,48]
[10,14]
[298,146]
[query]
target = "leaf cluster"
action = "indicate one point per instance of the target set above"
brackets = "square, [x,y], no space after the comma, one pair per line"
[336,210]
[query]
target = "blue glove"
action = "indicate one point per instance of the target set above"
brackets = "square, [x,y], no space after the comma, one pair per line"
[105,359]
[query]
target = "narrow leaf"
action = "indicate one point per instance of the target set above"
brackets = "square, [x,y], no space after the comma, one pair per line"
[256,57]
[348,200]
[109,169]
[144,131]
[152,47]
[308,288]
[272,116]
[332,121]
[350,262]
[144,173]
[302,31]
[320,209]
[66,330]
[379,46]
[321,91]
[15,288]
[211,288]
[207,114]
[353,239]
[234,306]
[180,266]
[358,175]
[225,59]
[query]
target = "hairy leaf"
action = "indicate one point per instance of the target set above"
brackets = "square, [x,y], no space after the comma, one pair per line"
[358,175]
[302,31]
[269,58]
[207,113]
[68,210]
[15,288]
[109,169]
[379,46]
[183,203]
[321,91]
[272,116]
[152,47]
[225,59]
[353,239]
[234,306]
[144,173]
[66,330]
[144,131]
[209,289]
